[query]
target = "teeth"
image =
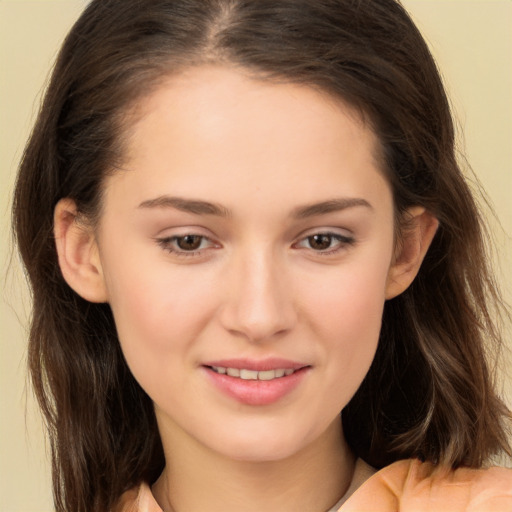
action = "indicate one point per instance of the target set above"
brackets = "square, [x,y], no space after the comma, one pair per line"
[248,374]
[233,372]
[245,374]
[267,375]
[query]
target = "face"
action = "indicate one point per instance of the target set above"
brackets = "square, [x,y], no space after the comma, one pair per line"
[245,249]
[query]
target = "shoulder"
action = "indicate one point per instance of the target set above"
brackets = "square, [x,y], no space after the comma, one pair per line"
[138,499]
[427,487]
[413,486]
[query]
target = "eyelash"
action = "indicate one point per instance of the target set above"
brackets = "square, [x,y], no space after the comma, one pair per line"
[343,242]
[169,244]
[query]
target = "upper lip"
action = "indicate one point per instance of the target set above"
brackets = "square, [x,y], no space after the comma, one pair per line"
[272,363]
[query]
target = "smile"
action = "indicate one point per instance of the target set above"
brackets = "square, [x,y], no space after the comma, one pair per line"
[263,383]
[245,374]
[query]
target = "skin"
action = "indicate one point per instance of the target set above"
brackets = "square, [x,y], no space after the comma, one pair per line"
[257,286]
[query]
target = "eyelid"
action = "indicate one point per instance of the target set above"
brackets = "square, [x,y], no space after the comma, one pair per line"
[167,243]
[344,241]
[332,231]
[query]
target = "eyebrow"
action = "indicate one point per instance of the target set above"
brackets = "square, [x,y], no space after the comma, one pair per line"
[193,206]
[332,205]
[198,207]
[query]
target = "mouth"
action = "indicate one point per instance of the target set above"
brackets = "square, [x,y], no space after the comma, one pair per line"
[256,382]
[246,374]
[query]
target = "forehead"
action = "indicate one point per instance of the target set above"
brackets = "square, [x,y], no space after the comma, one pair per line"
[216,128]
[207,95]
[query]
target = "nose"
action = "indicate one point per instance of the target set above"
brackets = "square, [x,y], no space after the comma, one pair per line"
[259,303]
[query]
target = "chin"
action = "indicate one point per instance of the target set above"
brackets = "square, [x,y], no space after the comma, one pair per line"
[260,446]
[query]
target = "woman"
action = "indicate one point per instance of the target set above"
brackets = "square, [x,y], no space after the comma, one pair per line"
[250,218]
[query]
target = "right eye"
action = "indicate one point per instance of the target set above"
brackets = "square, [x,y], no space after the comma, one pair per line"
[185,245]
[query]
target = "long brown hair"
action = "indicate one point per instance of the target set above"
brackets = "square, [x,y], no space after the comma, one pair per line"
[429,392]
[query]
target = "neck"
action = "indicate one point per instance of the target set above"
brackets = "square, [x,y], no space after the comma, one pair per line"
[196,478]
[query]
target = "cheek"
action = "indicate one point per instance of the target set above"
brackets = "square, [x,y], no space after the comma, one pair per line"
[347,313]
[350,298]
[355,317]
[158,313]
[156,326]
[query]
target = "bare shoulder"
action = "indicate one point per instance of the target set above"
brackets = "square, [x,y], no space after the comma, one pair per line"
[413,486]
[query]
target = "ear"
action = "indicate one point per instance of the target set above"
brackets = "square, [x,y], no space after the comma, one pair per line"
[78,253]
[416,239]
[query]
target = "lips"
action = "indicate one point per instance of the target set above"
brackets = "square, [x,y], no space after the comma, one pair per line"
[256,382]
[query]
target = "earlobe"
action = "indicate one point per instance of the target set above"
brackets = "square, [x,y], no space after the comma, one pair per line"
[420,231]
[78,253]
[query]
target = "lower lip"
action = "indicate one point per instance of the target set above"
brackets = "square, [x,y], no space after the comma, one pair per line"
[257,392]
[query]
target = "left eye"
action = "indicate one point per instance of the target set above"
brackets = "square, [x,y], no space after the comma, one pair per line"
[325,242]
[189,242]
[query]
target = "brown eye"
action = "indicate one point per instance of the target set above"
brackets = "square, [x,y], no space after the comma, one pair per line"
[325,243]
[189,242]
[320,242]
[186,245]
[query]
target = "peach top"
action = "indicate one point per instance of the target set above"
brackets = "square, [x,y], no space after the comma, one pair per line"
[405,486]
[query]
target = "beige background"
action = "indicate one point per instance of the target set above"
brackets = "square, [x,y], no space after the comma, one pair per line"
[472,40]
